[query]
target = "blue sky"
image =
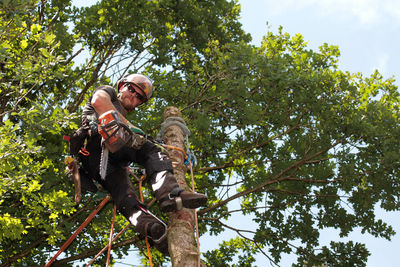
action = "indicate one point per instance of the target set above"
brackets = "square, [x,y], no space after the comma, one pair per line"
[367,33]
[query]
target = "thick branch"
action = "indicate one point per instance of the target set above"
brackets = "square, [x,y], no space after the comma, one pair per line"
[94,251]
[23,253]
[95,75]
[271,181]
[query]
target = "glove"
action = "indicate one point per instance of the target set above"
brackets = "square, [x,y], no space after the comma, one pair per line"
[136,129]
[93,128]
[138,136]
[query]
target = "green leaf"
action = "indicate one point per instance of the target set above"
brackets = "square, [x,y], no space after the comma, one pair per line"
[44,52]
[49,38]
[24,44]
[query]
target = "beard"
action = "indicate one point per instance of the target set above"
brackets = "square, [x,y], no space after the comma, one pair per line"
[126,103]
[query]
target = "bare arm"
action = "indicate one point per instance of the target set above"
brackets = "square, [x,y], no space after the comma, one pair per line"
[101,101]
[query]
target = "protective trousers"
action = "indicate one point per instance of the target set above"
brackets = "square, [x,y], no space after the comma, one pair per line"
[157,164]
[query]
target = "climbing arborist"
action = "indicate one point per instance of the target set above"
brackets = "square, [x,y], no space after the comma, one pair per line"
[112,143]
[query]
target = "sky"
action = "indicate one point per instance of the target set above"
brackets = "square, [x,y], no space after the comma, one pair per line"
[367,34]
[366,31]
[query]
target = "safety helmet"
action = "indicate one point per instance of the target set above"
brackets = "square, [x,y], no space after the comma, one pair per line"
[140,81]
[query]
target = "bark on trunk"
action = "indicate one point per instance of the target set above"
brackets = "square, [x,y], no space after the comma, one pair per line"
[181,238]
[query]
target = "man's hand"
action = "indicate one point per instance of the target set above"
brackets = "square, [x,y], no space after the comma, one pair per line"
[101,102]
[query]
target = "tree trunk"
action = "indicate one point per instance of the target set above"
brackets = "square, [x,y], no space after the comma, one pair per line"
[181,238]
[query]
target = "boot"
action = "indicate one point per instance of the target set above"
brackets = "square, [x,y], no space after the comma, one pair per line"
[146,224]
[179,198]
[158,237]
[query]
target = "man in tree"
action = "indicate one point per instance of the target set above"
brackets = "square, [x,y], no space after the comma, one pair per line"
[124,143]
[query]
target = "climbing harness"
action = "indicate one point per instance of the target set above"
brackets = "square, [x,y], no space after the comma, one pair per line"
[115,135]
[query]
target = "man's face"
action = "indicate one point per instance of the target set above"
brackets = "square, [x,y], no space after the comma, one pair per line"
[130,97]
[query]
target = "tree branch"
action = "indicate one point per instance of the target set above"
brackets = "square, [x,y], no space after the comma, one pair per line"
[94,251]
[23,253]
[274,179]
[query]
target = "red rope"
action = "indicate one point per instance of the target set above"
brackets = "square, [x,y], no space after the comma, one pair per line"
[104,249]
[111,235]
[75,234]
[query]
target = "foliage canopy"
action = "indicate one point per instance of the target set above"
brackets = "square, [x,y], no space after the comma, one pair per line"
[282,136]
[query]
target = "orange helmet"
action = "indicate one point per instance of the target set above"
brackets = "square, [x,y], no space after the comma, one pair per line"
[140,81]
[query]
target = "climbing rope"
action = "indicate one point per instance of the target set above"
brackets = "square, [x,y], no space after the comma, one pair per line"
[111,235]
[83,225]
[190,163]
[195,217]
[104,249]
[111,240]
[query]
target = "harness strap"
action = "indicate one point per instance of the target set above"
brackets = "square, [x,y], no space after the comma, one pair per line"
[176,192]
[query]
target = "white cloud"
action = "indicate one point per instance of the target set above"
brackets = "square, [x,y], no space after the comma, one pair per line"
[392,7]
[365,12]
[382,63]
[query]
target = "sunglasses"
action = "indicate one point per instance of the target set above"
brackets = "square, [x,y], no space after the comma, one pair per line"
[132,88]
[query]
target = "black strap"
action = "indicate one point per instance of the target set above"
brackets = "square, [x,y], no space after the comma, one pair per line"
[176,192]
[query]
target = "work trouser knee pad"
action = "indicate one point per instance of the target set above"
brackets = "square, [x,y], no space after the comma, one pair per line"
[162,183]
[158,162]
[128,205]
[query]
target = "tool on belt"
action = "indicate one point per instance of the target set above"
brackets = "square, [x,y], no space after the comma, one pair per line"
[73,168]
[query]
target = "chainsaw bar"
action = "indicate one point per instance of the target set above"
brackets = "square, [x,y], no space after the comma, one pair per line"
[103,162]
